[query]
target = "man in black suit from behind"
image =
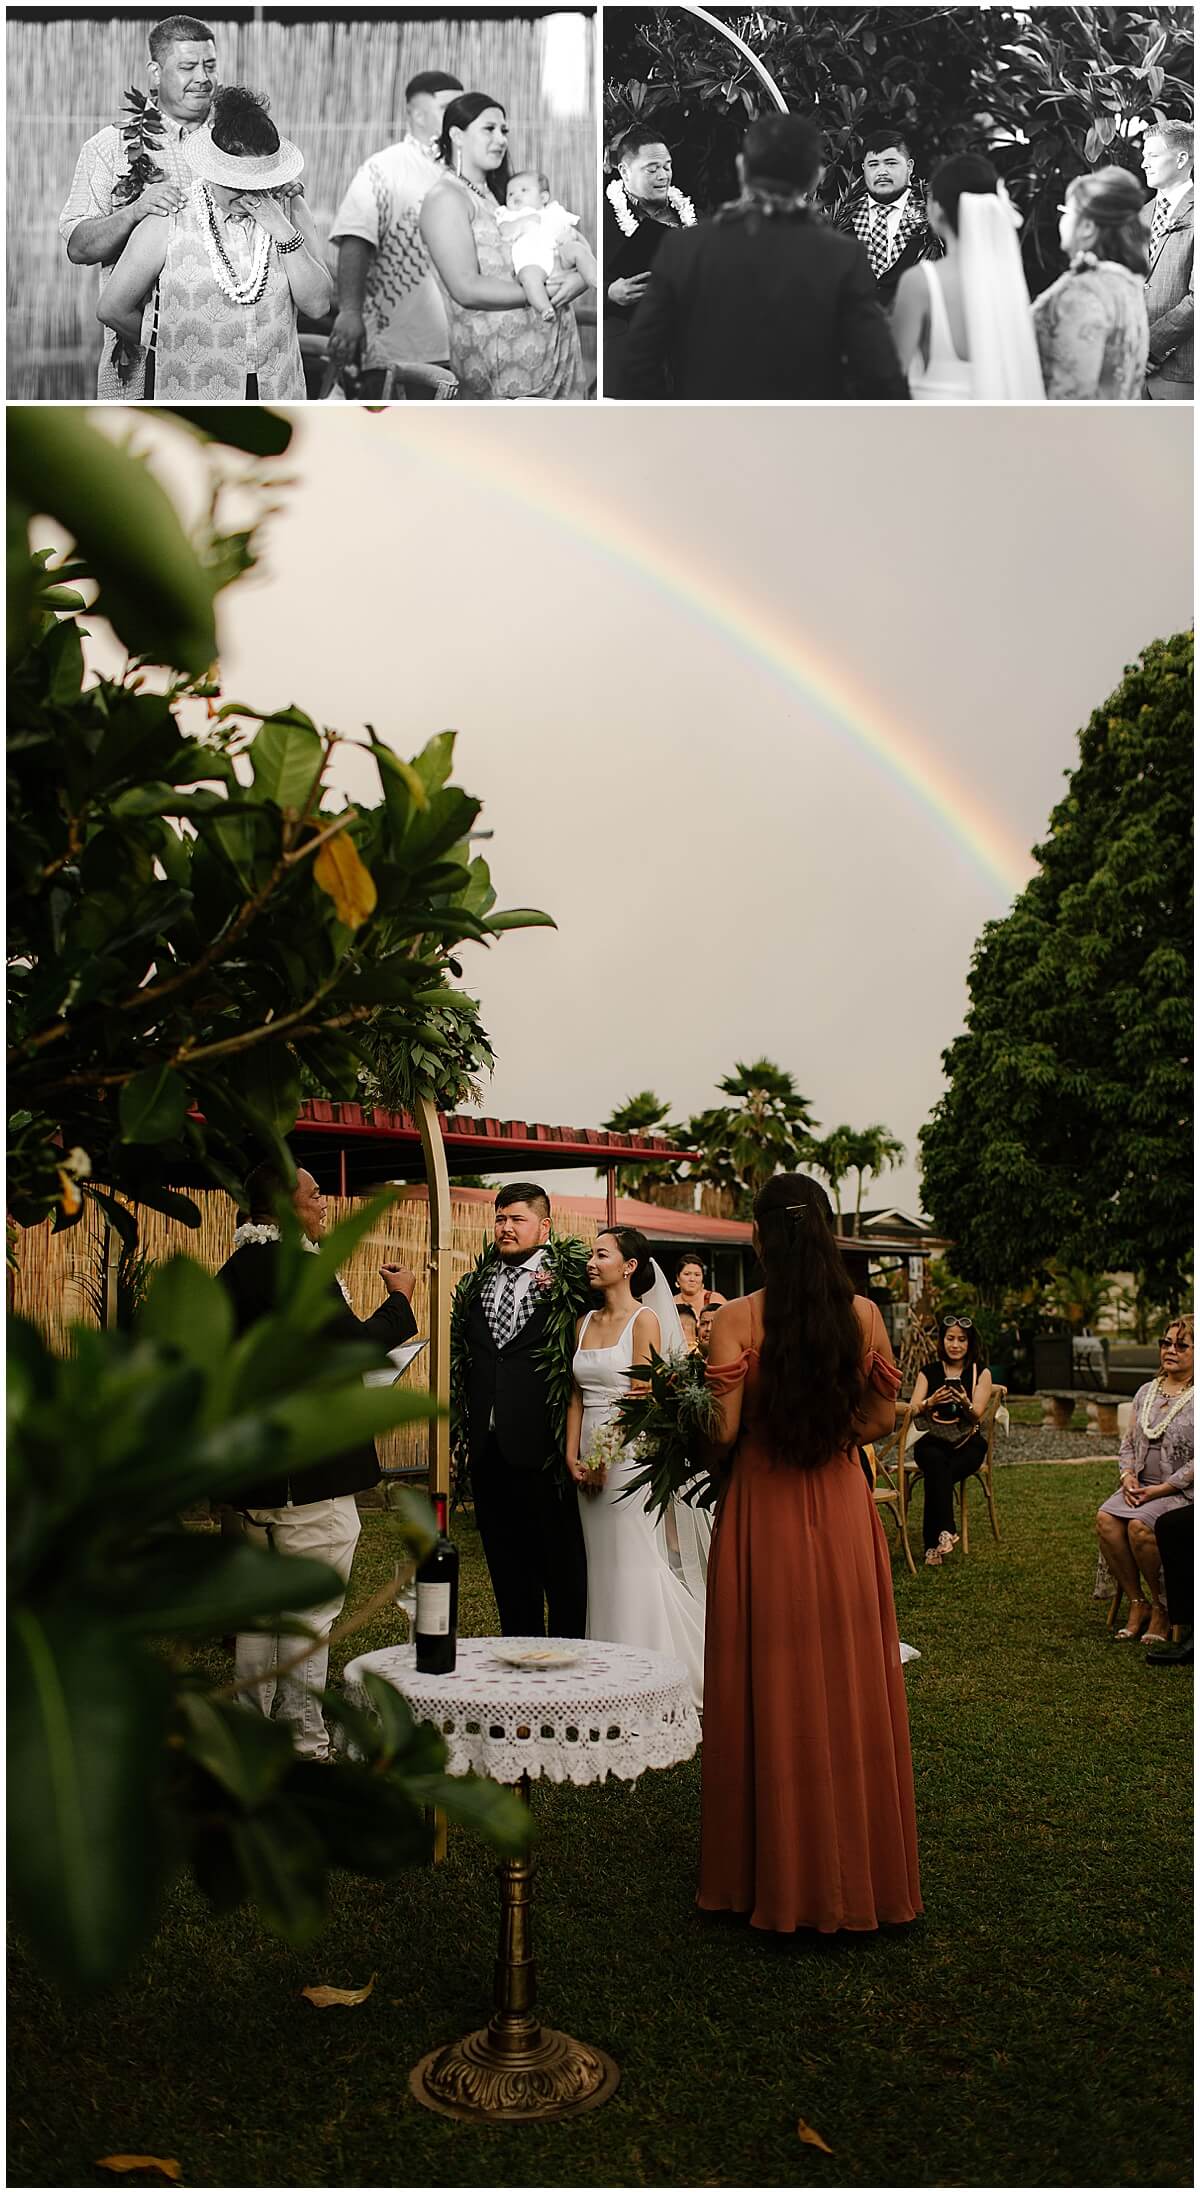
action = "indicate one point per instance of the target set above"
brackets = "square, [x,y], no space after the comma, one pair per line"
[526,1508]
[766,301]
[315,1514]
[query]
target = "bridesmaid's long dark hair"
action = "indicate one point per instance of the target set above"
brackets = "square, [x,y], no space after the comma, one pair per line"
[811,1365]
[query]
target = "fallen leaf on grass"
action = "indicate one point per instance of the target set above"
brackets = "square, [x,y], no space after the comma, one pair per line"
[166,2166]
[808,2133]
[322,1996]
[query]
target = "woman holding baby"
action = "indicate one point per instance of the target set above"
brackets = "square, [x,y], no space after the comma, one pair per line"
[509,341]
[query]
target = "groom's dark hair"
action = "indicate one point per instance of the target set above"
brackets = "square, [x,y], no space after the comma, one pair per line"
[636,140]
[524,1192]
[883,141]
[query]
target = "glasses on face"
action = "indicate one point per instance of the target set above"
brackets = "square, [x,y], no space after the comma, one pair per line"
[1176,1341]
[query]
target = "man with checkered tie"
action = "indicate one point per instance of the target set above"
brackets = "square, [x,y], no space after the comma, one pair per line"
[888,215]
[1167,153]
[525,1506]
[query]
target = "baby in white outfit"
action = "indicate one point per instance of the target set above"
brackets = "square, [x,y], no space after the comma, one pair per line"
[542,237]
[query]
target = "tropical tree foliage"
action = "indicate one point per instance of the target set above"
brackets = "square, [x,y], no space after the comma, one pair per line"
[1045,93]
[198,924]
[864,1152]
[646,1114]
[763,1131]
[1065,1130]
[195,924]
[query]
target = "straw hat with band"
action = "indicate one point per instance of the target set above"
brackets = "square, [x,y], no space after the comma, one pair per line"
[242,170]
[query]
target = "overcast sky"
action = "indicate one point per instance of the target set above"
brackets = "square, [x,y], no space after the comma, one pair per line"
[621,613]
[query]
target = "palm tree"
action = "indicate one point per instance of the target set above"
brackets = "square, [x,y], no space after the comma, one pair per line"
[833,1158]
[873,1150]
[766,1130]
[645,1114]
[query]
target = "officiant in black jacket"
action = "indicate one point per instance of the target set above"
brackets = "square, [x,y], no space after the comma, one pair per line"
[526,1509]
[765,301]
[316,1513]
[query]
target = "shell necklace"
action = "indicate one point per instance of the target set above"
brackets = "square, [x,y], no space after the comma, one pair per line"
[240,289]
[1155,1432]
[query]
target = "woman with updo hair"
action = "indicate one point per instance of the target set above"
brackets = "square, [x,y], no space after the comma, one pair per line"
[807,1812]
[961,324]
[645,1577]
[1092,329]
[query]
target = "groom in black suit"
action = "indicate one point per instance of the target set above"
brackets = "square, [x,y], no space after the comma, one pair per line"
[526,1509]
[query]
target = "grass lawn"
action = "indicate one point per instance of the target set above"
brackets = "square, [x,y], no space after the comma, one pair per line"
[1032,2029]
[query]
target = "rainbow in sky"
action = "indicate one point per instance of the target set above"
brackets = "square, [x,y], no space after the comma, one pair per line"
[848,708]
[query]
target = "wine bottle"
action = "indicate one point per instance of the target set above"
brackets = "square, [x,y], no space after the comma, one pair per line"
[437,1601]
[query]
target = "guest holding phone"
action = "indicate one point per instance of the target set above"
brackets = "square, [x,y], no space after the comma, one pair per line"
[949,1399]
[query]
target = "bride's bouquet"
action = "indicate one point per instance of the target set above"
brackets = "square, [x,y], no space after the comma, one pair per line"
[604,1451]
[667,1425]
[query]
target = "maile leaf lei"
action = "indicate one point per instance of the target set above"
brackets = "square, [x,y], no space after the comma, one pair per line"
[142,137]
[568,1297]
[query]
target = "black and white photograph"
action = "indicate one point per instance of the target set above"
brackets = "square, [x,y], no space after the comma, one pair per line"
[949,204]
[233,206]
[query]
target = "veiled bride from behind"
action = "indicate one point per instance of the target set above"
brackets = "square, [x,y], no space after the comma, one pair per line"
[646,1577]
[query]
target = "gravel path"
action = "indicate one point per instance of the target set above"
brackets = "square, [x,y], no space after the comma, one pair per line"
[1030,1444]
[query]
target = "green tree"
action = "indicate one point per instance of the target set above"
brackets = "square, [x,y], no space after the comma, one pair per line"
[764,1131]
[1045,93]
[833,1158]
[874,1150]
[1065,1128]
[645,1114]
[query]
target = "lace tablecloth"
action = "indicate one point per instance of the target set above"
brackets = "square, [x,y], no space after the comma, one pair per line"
[615,1710]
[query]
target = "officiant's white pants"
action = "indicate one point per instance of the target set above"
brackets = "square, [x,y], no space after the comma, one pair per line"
[326,1531]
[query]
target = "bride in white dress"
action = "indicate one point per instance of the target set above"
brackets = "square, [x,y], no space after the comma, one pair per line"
[646,1580]
[963,325]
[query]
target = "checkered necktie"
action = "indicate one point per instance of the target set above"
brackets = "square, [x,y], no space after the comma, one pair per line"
[877,241]
[1160,224]
[504,1307]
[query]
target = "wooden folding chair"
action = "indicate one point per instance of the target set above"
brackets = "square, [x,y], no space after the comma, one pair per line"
[885,1485]
[908,1470]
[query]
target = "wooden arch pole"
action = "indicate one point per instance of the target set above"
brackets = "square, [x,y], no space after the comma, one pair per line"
[714,23]
[437,1178]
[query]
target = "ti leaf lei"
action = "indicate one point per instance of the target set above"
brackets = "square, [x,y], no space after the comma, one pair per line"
[141,139]
[568,1296]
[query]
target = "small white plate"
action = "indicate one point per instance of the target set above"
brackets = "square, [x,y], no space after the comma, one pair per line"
[547,1656]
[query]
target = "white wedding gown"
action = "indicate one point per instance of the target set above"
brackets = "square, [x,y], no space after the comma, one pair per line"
[641,1591]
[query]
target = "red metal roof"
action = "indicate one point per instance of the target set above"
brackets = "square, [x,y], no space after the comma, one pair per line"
[380,1145]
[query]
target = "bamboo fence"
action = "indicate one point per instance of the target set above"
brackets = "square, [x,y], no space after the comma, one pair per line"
[335,84]
[48,1287]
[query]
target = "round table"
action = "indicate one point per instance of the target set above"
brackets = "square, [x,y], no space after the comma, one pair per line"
[611,1710]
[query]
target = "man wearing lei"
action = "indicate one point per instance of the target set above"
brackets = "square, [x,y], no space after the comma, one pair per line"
[640,206]
[512,1342]
[137,168]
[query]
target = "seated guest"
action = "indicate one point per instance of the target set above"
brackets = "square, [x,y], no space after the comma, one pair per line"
[1091,326]
[1156,1462]
[213,292]
[1176,1552]
[690,1289]
[950,1397]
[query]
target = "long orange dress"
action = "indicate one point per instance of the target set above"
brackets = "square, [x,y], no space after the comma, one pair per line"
[807,1812]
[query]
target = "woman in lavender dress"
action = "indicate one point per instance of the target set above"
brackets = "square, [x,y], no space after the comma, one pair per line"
[1156,1475]
[500,347]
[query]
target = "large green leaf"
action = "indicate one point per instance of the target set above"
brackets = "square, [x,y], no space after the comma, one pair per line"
[197,1584]
[486,1809]
[187,1309]
[153,588]
[237,1745]
[86,1729]
[266,1079]
[286,754]
[239,426]
[153,1105]
[363,1821]
[282,1867]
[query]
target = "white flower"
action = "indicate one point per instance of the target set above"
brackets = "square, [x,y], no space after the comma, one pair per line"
[627,220]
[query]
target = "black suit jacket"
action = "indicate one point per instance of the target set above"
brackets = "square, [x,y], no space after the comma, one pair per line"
[762,307]
[508,1385]
[250,1279]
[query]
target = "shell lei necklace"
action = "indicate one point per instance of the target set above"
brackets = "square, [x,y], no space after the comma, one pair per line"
[1155,1432]
[627,220]
[240,289]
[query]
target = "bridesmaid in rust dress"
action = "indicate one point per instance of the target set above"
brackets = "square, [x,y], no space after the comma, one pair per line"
[807,1814]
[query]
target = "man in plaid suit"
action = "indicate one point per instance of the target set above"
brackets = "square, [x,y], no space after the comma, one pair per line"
[888,214]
